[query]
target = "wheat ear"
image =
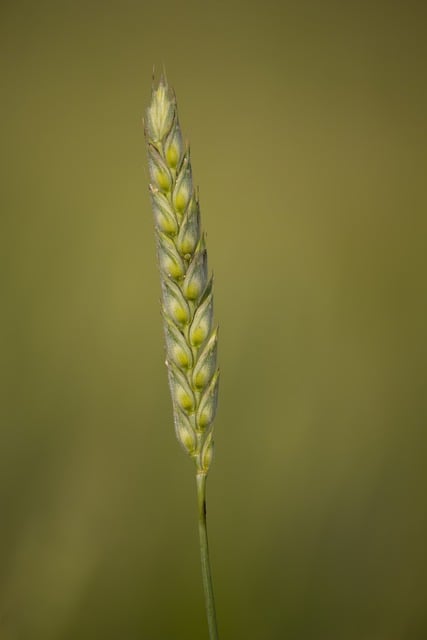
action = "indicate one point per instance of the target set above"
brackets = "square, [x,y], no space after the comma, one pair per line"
[187,303]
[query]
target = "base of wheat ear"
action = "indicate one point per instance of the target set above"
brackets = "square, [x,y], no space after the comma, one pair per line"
[187,305]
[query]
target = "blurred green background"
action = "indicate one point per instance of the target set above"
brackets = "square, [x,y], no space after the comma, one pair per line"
[308,133]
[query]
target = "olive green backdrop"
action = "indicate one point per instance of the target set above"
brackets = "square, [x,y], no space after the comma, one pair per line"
[308,134]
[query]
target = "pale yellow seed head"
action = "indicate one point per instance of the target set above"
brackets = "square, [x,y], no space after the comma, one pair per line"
[186,292]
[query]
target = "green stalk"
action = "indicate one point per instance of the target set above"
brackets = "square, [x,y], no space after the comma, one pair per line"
[204,557]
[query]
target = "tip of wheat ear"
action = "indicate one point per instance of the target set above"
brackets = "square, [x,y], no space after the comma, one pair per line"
[187,297]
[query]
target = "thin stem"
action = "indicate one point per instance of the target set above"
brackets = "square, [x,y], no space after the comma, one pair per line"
[204,556]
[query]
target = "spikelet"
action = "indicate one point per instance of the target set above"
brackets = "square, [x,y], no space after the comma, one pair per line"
[187,303]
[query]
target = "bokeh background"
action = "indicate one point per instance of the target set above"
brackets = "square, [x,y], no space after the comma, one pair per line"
[308,133]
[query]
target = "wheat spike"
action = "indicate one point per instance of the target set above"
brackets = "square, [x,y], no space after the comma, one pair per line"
[187,303]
